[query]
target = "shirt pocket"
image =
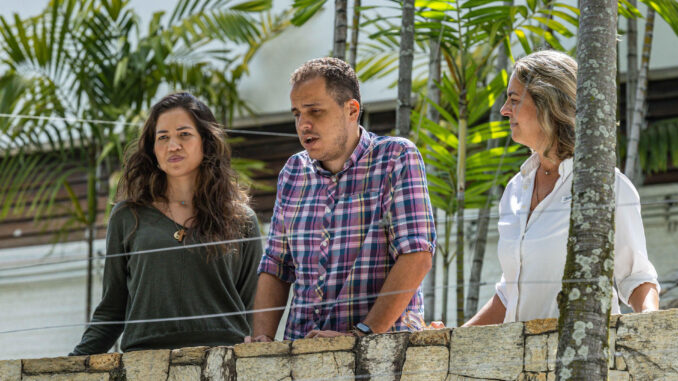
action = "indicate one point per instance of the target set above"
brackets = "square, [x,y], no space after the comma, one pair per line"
[355,218]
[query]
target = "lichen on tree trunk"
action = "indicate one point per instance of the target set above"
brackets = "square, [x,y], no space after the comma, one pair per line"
[586,297]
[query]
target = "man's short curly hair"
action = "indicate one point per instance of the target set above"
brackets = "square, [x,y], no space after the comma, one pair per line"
[340,79]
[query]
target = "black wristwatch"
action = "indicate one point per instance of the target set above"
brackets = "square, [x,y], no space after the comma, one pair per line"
[363,328]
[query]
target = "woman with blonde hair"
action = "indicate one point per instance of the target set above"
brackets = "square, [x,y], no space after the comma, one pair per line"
[534,211]
[177,189]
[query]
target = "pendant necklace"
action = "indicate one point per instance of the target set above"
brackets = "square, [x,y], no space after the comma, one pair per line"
[181,232]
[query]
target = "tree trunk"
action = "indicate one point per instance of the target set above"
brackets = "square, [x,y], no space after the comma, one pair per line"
[340,25]
[461,187]
[91,229]
[484,213]
[432,90]
[433,93]
[586,297]
[631,67]
[638,117]
[355,29]
[446,269]
[405,70]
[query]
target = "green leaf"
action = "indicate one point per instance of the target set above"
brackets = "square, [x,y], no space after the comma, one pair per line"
[253,6]
[532,4]
[442,6]
[629,9]
[574,10]
[523,41]
[667,9]
[305,9]
[555,25]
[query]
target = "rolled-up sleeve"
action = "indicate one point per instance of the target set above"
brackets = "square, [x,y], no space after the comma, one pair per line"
[277,259]
[412,228]
[632,266]
[500,288]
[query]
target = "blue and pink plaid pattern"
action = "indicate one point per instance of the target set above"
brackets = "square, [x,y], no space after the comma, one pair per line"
[336,236]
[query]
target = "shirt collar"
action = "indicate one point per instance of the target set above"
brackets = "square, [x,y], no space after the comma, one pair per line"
[363,144]
[531,164]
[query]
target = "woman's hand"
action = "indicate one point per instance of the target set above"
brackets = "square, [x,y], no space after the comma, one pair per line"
[644,298]
[493,312]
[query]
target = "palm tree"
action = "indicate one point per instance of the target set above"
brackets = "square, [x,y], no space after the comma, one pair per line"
[355,30]
[637,119]
[405,69]
[340,26]
[85,72]
[584,305]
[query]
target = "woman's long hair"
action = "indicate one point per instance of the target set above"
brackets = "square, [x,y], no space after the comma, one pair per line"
[551,79]
[219,201]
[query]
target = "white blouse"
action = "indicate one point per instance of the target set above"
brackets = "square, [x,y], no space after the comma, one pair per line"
[532,253]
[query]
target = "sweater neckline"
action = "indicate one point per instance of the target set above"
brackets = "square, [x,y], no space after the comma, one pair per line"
[158,211]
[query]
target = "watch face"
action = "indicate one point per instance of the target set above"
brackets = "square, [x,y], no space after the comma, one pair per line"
[362,327]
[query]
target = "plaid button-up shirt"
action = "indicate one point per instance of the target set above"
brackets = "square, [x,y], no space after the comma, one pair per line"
[336,236]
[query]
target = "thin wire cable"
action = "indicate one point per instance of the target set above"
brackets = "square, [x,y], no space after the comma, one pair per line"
[305,232]
[139,124]
[331,303]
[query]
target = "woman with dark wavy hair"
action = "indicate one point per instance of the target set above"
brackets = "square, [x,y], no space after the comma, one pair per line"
[177,189]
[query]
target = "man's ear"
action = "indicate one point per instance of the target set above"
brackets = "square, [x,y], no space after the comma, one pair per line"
[353,109]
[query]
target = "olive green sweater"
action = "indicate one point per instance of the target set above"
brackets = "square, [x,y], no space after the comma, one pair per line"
[170,283]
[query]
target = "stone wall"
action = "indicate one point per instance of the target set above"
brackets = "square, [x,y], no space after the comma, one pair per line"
[642,347]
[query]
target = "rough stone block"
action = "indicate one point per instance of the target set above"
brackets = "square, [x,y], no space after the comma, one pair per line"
[618,375]
[456,377]
[188,356]
[538,326]
[323,344]
[68,377]
[647,343]
[10,370]
[431,337]
[276,348]
[381,357]
[501,345]
[146,365]
[55,365]
[552,351]
[104,362]
[612,338]
[263,368]
[535,353]
[184,373]
[425,363]
[529,376]
[619,362]
[325,365]
[214,364]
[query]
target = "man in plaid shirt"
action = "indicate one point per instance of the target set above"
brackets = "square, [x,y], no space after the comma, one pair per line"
[352,228]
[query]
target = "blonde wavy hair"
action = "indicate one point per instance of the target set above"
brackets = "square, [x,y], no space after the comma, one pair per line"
[550,77]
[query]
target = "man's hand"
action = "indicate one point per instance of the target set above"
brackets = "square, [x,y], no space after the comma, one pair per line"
[400,285]
[318,333]
[258,339]
[271,293]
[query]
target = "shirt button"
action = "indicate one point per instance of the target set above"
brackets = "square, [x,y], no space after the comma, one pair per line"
[317,311]
[327,210]
[322,277]
[323,243]
[334,179]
